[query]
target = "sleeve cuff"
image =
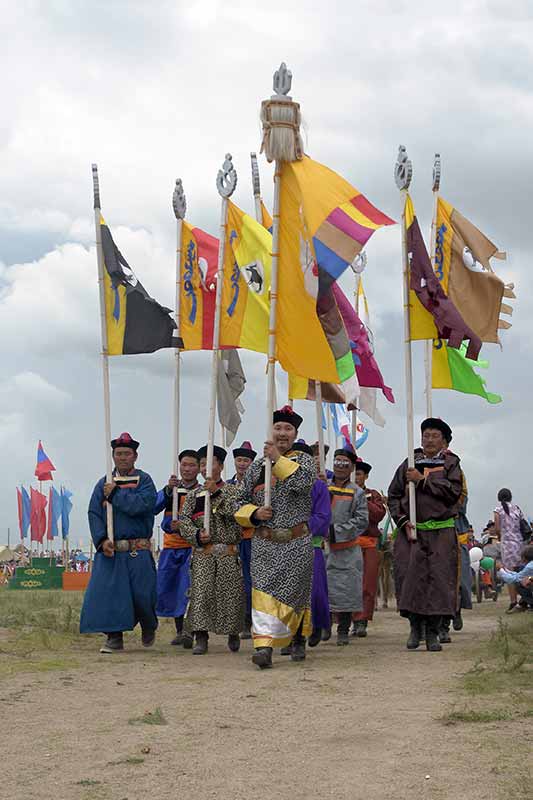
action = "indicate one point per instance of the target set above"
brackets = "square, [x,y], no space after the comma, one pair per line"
[244,515]
[402,521]
[284,467]
[98,547]
[110,496]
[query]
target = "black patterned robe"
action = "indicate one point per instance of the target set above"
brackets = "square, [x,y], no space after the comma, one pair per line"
[217,588]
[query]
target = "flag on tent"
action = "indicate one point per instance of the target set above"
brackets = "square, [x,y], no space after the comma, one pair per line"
[230,385]
[66,508]
[462,264]
[24,511]
[432,313]
[135,322]
[38,505]
[55,503]
[451,369]
[44,467]
[245,293]
[198,287]
[324,223]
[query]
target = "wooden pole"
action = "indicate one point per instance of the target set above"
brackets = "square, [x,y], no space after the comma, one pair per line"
[428,360]
[271,369]
[179,204]
[320,429]
[105,356]
[256,184]
[403,174]
[226,183]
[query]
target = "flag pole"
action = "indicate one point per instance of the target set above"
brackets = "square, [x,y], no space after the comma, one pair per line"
[105,356]
[226,183]
[429,343]
[320,429]
[256,185]
[179,204]
[403,173]
[281,142]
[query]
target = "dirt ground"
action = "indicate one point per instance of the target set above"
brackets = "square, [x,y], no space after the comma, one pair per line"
[369,721]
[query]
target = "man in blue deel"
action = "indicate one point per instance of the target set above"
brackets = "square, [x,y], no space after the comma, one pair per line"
[122,589]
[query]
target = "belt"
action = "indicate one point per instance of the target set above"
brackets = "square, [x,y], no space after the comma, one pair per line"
[132,545]
[435,525]
[334,546]
[282,535]
[217,549]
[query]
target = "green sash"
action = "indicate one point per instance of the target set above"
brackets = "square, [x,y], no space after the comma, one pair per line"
[435,525]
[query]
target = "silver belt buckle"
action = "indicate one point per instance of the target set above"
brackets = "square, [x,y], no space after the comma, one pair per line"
[133,553]
[282,535]
[219,549]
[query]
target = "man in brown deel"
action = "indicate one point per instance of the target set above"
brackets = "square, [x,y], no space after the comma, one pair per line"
[426,568]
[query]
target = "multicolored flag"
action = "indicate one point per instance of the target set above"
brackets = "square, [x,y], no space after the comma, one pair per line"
[135,322]
[432,313]
[66,508]
[324,223]
[24,511]
[44,467]
[453,370]
[341,421]
[38,505]
[55,503]
[462,264]
[198,287]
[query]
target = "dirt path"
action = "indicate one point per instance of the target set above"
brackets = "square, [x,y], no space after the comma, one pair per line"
[349,723]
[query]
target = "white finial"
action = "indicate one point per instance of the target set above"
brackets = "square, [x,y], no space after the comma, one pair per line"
[403,171]
[282,80]
[226,178]
[179,203]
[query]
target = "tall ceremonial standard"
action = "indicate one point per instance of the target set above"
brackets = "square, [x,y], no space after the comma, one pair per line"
[179,205]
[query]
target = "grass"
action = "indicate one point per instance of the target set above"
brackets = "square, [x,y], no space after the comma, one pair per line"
[155,717]
[49,611]
[88,782]
[128,760]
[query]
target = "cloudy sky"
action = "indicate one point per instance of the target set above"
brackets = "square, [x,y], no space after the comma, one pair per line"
[155,91]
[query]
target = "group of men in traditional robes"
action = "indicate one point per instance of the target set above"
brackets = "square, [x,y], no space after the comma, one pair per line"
[261,570]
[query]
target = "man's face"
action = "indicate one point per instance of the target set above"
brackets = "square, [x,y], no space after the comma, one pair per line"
[284,436]
[317,462]
[433,442]
[189,469]
[215,472]
[241,465]
[342,467]
[124,458]
[360,477]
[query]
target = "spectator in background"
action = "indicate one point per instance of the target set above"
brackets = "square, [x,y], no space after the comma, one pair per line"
[507,516]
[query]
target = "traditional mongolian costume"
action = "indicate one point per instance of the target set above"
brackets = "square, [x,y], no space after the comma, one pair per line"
[122,588]
[217,591]
[426,570]
[245,545]
[282,549]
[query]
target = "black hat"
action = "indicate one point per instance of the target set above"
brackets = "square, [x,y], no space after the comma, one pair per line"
[345,451]
[286,414]
[125,440]
[363,466]
[245,451]
[189,454]
[218,452]
[437,424]
[302,447]
[314,449]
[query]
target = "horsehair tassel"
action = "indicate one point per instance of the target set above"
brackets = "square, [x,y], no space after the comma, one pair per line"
[281,119]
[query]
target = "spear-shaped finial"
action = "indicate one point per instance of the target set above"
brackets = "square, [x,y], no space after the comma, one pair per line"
[281,119]
[96,187]
[403,171]
[227,178]
[359,263]
[179,203]
[282,81]
[436,172]
[256,183]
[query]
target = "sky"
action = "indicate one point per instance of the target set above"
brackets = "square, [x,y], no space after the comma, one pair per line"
[155,92]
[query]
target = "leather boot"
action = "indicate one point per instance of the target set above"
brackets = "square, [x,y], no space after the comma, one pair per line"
[414,636]
[315,638]
[263,657]
[200,648]
[147,638]
[178,638]
[444,631]
[343,638]
[361,629]
[433,625]
[246,632]
[458,622]
[286,651]
[113,644]
[326,634]
[298,648]
[234,642]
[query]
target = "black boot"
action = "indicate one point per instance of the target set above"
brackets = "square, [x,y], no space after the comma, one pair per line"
[343,628]
[315,638]
[433,625]
[262,657]
[444,631]
[147,638]
[326,634]
[361,629]
[178,638]
[113,644]
[234,642]
[458,621]
[286,651]
[298,645]
[246,632]
[414,636]
[200,648]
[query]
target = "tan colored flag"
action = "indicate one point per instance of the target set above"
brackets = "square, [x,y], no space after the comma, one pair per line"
[462,264]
